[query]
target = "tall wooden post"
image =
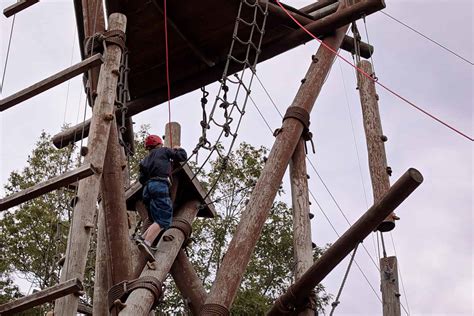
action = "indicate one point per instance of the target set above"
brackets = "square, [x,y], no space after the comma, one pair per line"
[102,119]
[380,181]
[375,139]
[250,226]
[303,253]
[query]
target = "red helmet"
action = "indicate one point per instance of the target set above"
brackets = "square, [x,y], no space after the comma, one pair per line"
[153,141]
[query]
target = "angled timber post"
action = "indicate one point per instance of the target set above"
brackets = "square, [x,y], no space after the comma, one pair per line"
[379,173]
[83,216]
[303,252]
[250,226]
[141,300]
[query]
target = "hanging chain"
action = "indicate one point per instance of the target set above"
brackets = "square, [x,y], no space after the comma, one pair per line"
[123,97]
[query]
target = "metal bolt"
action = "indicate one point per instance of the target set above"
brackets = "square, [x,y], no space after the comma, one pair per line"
[384,138]
[108,117]
[84,151]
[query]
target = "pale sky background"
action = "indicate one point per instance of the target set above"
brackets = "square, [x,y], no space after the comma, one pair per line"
[433,240]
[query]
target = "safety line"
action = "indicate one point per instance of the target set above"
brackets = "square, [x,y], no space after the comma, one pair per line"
[167,71]
[429,39]
[8,54]
[374,79]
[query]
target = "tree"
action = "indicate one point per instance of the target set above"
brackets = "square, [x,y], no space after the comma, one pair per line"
[34,234]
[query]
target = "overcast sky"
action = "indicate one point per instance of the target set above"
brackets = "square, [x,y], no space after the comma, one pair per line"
[433,240]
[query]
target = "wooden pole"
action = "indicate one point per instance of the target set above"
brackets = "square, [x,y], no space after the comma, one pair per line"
[303,252]
[296,294]
[102,271]
[115,213]
[140,300]
[172,134]
[380,177]
[250,226]
[389,286]
[375,139]
[83,216]
[188,283]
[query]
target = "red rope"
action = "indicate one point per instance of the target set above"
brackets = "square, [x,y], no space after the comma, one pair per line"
[371,78]
[167,72]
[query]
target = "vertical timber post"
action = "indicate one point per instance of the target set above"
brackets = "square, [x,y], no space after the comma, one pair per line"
[250,226]
[88,191]
[102,270]
[173,139]
[379,173]
[303,253]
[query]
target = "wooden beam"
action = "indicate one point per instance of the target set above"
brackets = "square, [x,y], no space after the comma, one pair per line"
[141,300]
[317,5]
[251,224]
[41,297]
[296,294]
[302,244]
[63,180]
[84,309]
[17,7]
[375,140]
[83,222]
[50,82]
[188,283]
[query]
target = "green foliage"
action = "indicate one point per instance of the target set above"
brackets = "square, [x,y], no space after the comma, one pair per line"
[34,234]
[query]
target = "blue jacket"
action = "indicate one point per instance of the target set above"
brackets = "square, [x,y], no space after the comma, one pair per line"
[158,163]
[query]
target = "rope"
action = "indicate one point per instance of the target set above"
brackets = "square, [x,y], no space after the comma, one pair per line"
[429,39]
[375,80]
[167,71]
[336,300]
[8,53]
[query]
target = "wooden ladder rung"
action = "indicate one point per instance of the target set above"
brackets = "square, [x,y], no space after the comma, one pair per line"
[50,82]
[47,186]
[41,297]
[18,6]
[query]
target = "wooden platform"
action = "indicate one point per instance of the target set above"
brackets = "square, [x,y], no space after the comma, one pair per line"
[200,34]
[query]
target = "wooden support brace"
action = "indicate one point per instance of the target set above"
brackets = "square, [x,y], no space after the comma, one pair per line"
[17,7]
[299,291]
[188,283]
[41,297]
[50,82]
[140,301]
[47,186]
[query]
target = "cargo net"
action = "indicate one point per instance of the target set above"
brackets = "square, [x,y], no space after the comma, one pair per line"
[230,103]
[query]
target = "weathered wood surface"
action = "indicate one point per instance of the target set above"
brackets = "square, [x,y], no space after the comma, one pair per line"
[85,309]
[102,119]
[18,7]
[302,244]
[115,211]
[188,283]
[250,226]
[374,137]
[295,295]
[50,82]
[62,180]
[102,269]
[389,286]
[172,134]
[41,297]
[140,301]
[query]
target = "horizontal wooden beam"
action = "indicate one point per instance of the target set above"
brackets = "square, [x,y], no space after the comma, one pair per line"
[50,82]
[41,297]
[301,289]
[47,186]
[17,7]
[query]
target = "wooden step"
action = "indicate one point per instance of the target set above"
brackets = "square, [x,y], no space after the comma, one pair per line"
[18,6]
[50,82]
[41,297]
[66,178]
